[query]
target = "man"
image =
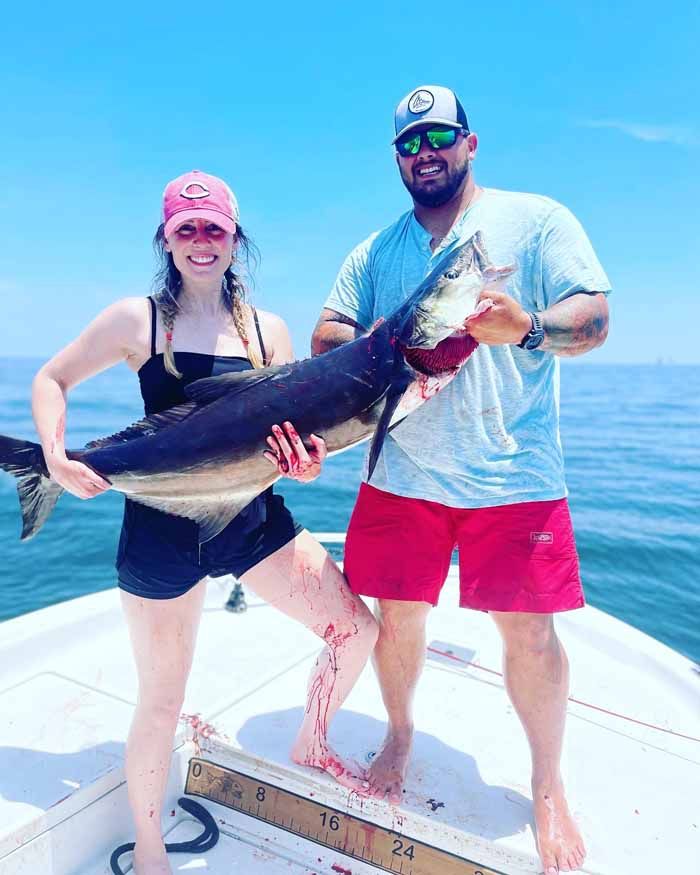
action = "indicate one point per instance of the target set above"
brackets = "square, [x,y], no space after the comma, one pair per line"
[480,466]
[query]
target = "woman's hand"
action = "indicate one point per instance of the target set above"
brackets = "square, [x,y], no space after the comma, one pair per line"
[290,456]
[77,478]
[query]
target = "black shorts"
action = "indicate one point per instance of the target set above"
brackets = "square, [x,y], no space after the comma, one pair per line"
[159,556]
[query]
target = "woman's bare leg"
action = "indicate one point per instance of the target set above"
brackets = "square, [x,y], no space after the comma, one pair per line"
[305,583]
[163,634]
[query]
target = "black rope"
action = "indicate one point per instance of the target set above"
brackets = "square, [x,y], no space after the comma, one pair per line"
[206,840]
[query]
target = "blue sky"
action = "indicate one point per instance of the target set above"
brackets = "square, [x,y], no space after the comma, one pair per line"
[292,105]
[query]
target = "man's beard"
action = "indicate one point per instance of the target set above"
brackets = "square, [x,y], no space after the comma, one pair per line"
[438,195]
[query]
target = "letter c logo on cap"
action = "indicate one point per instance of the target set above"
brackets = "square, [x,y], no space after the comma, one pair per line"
[194,190]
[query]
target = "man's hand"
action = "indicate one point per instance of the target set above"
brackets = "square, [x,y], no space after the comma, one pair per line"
[504,321]
[291,458]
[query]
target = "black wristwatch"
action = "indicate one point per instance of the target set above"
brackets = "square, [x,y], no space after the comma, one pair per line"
[535,335]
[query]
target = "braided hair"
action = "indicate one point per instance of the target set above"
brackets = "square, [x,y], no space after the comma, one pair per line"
[167,285]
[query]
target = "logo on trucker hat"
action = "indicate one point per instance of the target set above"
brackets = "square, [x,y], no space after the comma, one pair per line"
[420,102]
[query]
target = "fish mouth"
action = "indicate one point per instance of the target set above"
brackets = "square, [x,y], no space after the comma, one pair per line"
[450,353]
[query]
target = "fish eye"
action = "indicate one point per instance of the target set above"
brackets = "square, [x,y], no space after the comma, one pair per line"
[452,274]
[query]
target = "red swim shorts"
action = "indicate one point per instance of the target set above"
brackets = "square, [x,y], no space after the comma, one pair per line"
[517,557]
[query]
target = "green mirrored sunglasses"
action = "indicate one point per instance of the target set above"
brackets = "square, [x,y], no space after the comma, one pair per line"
[436,138]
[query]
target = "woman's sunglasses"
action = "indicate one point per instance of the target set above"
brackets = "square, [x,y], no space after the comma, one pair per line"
[435,138]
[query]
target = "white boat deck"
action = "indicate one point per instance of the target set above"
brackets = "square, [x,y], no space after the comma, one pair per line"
[67,695]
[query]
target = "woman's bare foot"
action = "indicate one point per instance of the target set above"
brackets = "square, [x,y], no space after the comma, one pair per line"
[319,755]
[387,773]
[559,841]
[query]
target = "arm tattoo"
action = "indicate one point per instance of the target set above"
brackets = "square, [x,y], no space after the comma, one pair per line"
[334,329]
[576,325]
[343,319]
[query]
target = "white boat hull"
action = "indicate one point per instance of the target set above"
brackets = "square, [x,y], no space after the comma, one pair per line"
[68,689]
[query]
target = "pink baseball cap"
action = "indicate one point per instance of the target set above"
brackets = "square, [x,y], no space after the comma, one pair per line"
[197,195]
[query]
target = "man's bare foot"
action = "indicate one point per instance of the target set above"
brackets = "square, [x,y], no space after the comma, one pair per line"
[322,756]
[151,862]
[387,773]
[559,841]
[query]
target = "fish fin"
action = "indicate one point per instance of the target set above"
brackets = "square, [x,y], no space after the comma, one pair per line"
[215,522]
[147,426]
[217,518]
[211,517]
[490,272]
[38,493]
[399,383]
[210,389]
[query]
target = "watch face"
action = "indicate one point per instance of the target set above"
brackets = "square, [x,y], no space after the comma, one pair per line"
[535,335]
[535,339]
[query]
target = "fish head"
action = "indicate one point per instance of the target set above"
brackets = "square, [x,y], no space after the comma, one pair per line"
[431,333]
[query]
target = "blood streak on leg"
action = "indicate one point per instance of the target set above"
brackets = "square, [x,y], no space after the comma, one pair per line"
[323,687]
[326,606]
[304,576]
[60,431]
[312,746]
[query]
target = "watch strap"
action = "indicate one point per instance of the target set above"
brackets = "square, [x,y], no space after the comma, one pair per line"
[535,335]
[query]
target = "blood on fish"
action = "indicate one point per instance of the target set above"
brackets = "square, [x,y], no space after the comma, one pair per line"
[336,868]
[449,353]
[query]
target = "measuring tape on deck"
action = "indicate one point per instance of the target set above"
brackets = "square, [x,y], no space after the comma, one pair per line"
[365,841]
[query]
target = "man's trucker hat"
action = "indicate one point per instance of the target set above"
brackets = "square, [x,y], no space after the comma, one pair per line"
[429,104]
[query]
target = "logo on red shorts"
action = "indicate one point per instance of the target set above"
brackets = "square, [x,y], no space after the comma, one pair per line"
[542,537]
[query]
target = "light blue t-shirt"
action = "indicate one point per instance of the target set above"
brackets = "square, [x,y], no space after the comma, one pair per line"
[492,436]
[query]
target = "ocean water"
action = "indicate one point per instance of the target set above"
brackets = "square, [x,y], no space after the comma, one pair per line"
[631,438]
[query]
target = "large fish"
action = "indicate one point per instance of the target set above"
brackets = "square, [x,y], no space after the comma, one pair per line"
[203,459]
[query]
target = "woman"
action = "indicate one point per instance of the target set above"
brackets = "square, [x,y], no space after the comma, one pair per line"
[198,324]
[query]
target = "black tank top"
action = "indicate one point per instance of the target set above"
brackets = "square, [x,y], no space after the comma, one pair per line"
[160,389]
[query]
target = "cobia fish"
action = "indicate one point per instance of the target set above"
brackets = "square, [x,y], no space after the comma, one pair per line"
[204,459]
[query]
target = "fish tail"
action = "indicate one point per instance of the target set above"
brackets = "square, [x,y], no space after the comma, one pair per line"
[38,493]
